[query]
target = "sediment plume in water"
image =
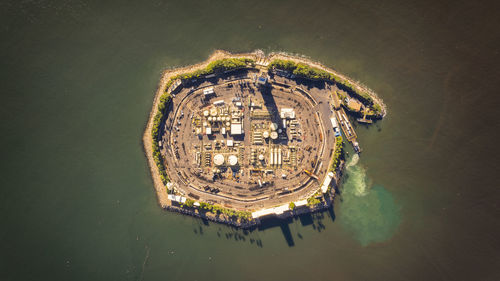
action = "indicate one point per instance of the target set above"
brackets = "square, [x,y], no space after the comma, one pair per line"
[367,210]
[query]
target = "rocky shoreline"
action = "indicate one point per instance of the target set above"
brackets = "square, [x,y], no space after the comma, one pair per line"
[254,222]
[166,76]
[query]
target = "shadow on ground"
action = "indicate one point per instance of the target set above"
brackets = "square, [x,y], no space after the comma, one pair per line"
[252,236]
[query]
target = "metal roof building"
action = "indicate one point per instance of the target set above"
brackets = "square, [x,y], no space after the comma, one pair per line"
[236,129]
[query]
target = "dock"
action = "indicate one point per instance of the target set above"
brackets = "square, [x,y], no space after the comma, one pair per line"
[346,126]
[344,122]
[364,120]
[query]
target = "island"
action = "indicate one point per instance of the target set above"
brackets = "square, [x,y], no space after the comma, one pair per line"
[241,137]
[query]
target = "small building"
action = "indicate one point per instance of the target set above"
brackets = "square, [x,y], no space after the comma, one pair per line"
[177,198]
[300,203]
[261,213]
[208,91]
[236,129]
[219,102]
[279,210]
[287,113]
[326,183]
[354,105]
[208,130]
[230,142]
[334,122]
[262,81]
[337,132]
[174,86]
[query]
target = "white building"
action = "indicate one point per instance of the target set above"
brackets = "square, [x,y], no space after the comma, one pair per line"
[287,113]
[326,183]
[236,129]
[177,198]
[208,91]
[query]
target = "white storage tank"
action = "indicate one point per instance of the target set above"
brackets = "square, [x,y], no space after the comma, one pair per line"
[219,159]
[233,160]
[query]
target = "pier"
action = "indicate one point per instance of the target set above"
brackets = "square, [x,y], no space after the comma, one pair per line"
[344,122]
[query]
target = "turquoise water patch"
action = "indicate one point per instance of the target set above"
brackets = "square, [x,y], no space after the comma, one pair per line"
[367,210]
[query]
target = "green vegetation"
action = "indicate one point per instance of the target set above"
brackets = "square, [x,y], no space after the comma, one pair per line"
[217,66]
[162,105]
[302,70]
[216,209]
[376,110]
[313,73]
[291,206]
[189,203]
[337,154]
[313,200]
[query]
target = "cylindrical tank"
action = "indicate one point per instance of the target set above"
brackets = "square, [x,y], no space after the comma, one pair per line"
[213,111]
[261,157]
[265,134]
[274,135]
[274,126]
[233,160]
[219,159]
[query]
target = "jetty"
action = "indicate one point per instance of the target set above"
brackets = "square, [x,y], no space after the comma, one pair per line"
[344,122]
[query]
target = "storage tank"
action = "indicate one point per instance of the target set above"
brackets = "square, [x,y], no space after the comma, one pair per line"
[265,134]
[219,160]
[233,160]
[213,111]
[274,126]
[274,135]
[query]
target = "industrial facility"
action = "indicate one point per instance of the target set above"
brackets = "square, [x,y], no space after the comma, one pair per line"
[249,142]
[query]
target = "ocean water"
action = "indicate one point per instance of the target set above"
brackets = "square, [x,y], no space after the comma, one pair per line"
[77,78]
[367,210]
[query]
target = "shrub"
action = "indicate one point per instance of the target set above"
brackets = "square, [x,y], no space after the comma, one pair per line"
[337,154]
[189,203]
[302,70]
[162,105]
[313,73]
[217,66]
[311,201]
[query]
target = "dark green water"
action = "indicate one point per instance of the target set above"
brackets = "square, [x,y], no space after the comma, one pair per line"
[76,198]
